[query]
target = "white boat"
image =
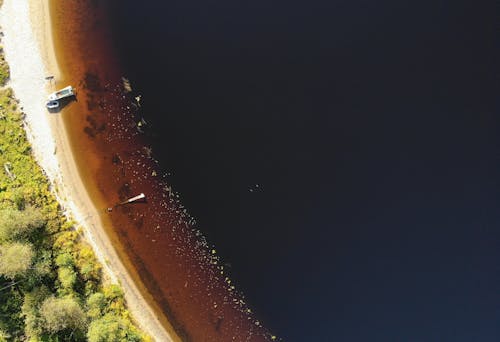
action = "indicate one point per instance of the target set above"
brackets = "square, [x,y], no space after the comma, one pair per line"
[60,94]
[52,104]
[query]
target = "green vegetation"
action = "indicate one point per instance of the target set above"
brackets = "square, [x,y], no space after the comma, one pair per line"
[4,73]
[50,281]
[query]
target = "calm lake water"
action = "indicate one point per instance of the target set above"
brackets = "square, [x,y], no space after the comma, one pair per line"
[342,156]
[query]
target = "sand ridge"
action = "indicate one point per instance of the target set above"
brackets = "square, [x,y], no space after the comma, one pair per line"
[29,51]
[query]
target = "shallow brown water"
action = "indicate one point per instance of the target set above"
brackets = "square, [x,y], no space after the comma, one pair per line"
[156,238]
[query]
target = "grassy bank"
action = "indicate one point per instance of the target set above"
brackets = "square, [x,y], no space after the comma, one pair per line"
[50,281]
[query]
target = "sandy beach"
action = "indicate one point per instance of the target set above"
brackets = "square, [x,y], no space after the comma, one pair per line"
[27,41]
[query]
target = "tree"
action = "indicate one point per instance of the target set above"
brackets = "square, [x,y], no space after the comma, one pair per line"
[15,259]
[67,277]
[40,271]
[112,328]
[96,304]
[43,264]
[65,259]
[19,224]
[62,313]
[29,310]
[66,272]
[88,265]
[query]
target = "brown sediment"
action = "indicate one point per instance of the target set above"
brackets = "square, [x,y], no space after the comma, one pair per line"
[167,257]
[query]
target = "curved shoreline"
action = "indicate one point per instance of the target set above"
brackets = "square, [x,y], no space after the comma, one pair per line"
[29,50]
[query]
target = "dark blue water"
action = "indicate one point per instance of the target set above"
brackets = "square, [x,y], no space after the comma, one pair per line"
[342,156]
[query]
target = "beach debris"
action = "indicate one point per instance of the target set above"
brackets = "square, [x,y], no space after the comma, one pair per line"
[6,166]
[50,78]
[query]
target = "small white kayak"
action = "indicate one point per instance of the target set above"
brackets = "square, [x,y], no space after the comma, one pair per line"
[60,94]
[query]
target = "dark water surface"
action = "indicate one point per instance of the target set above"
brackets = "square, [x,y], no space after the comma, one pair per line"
[342,156]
